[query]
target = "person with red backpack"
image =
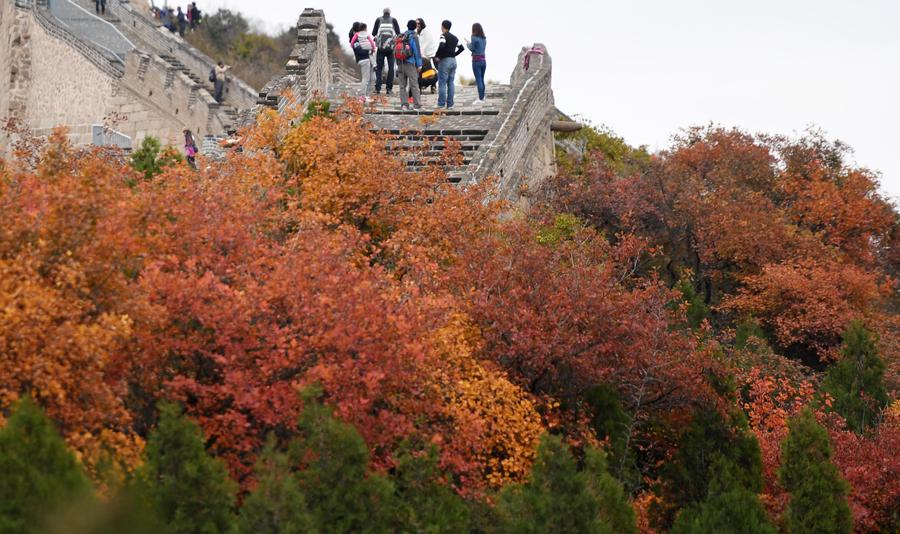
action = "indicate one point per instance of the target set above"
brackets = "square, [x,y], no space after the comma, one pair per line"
[385,30]
[408,54]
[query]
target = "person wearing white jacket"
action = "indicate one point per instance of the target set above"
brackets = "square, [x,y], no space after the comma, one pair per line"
[427,39]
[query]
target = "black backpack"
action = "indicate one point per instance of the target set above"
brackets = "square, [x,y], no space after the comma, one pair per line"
[212,75]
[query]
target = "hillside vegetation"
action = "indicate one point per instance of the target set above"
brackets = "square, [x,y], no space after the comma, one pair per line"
[309,337]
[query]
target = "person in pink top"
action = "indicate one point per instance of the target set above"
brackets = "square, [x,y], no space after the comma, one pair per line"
[364,50]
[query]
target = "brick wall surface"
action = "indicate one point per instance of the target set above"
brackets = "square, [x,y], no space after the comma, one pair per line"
[163,42]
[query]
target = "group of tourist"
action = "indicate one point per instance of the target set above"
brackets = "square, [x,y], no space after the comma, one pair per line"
[414,51]
[176,20]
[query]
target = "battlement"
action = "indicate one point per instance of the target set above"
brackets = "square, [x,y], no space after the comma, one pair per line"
[508,137]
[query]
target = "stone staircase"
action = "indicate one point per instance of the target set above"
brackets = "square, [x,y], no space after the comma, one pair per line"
[421,137]
[507,139]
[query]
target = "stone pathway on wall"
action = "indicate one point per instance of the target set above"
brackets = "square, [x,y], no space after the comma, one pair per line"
[90,28]
[421,135]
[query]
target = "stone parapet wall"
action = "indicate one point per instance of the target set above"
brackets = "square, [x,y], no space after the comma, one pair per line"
[66,84]
[308,68]
[341,73]
[55,81]
[516,152]
[163,42]
[162,101]
[107,63]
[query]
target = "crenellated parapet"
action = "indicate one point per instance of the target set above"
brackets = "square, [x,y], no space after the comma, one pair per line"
[308,70]
[507,138]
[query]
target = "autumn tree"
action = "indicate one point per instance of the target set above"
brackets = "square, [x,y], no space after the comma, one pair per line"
[38,474]
[818,492]
[856,381]
[187,489]
[558,497]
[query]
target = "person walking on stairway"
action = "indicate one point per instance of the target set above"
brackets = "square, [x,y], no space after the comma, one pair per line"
[100,5]
[190,149]
[182,22]
[221,77]
[477,46]
[448,49]
[364,52]
[409,57]
[385,30]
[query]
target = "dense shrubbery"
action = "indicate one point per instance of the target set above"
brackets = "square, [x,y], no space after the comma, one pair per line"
[658,319]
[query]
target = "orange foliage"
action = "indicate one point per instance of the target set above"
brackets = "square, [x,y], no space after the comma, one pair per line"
[494,420]
[810,303]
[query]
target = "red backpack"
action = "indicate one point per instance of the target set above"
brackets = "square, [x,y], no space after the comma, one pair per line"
[402,49]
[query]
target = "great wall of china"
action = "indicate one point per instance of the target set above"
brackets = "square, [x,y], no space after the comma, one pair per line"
[62,66]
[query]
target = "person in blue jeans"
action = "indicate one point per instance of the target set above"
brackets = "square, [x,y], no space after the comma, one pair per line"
[477,46]
[445,57]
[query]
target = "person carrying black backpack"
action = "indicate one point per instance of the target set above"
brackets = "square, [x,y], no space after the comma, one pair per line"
[385,30]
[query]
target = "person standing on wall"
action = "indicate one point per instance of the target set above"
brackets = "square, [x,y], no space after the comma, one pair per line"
[409,63]
[195,15]
[364,52]
[385,30]
[100,5]
[221,76]
[448,49]
[428,41]
[477,46]
[182,22]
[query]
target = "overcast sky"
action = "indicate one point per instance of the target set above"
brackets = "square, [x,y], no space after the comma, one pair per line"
[647,68]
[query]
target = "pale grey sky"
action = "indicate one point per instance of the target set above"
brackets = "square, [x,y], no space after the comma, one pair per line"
[647,68]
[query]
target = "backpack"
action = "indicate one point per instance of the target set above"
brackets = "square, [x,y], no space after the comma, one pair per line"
[385,40]
[212,75]
[402,49]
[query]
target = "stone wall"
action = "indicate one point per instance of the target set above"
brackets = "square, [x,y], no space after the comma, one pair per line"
[308,69]
[520,151]
[158,99]
[54,80]
[163,42]
[65,87]
[15,59]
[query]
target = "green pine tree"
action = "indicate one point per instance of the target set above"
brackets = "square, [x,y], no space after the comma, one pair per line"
[430,504]
[276,505]
[684,481]
[151,158]
[561,499]
[729,507]
[818,492]
[38,474]
[610,421]
[615,510]
[341,493]
[186,488]
[856,381]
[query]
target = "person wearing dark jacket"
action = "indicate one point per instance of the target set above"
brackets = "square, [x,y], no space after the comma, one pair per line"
[385,29]
[182,22]
[445,57]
